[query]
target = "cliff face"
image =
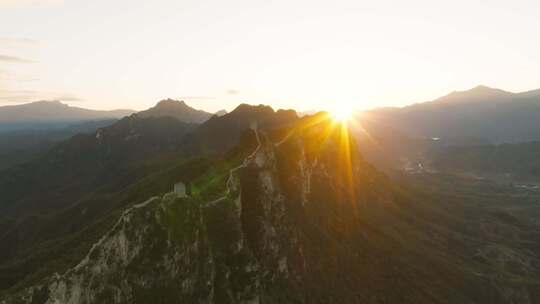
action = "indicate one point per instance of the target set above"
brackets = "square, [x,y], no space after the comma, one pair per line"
[153,247]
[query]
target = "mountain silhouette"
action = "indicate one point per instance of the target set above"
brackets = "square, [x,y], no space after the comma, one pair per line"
[177,109]
[51,113]
[493,115]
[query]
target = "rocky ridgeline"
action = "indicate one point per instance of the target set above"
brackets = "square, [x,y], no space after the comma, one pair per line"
[244,248]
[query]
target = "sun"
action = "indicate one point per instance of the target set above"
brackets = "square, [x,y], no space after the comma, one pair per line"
[341,112]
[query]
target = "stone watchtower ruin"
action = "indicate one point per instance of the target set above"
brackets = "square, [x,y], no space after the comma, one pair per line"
[180,189]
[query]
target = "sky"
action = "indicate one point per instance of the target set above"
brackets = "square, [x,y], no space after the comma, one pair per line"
[302,54]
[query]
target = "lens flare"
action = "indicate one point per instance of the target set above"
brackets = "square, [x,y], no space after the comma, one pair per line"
[341,112]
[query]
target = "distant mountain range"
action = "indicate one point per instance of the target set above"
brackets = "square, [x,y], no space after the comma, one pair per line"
[51,114]
[488,114]
[55,114]
[29,130]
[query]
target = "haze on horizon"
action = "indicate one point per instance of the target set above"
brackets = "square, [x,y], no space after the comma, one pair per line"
[303,55]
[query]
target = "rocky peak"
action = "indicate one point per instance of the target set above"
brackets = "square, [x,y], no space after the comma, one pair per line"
[221,112]
[221,133]
[177,109]
[246,109]
[170,102]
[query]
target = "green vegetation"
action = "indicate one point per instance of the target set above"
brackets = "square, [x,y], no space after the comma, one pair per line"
[212,184]
[76,228]
[182,216]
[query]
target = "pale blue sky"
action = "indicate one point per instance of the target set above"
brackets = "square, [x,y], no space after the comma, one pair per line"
[302,54]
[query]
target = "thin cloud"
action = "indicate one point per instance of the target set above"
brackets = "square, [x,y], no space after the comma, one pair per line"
[194,97]
[232,92]
[12,41]
[21,96]
[29,3]
[72,98]
[4,93]
[14,59]
[6,75]
[27,79]
[17,99]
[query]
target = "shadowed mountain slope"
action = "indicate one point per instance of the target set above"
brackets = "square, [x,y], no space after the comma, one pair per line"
[221,133]
[85,161]
[79,181]
[490,114]
[20,146]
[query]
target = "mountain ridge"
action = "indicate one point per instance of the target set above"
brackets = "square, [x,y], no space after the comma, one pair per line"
[51,114]
[480,92]
[493,115]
